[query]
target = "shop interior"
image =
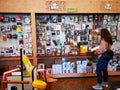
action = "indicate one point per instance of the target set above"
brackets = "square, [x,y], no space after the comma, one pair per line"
[51,42]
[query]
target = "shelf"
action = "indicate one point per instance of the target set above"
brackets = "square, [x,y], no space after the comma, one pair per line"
[50,56]
[67,56]
[13,58]
[69,75]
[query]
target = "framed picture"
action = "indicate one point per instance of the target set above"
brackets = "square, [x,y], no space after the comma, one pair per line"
[41,66]
[41,71]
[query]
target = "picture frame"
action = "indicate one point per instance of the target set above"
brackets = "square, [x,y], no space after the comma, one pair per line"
[41,66]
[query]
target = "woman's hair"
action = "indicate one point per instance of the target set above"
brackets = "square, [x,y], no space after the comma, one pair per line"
[105,34]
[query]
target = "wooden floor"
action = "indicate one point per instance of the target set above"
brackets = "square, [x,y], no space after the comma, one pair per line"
[83,83]
[77,83]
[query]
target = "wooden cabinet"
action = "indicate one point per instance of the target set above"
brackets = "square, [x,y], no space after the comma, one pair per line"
[57,7]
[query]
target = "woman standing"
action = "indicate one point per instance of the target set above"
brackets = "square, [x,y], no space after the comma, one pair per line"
[105,43]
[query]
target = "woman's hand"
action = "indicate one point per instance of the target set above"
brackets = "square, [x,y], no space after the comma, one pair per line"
[96,51]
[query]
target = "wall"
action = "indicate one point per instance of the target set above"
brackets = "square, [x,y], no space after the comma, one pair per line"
[41,6]
[64,6]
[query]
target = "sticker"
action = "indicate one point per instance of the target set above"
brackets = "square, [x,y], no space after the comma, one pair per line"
[8,28]
[20,36]
[3,28]
[28,29]
[27,20]
[20,42]
[19,24]
[14,27]
[30,40]
[4,38]
[1,18]
[9,36]
[14,36]
[26,46]
[19,29]
[57,27]
[83,26]
[6,19]
[18,18]
[26,35]
[63,20]
[72,9]
[13,19]
[30,45]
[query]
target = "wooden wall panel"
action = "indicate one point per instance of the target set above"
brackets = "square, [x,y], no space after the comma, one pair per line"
[105,5]
[14,6]
[40,6]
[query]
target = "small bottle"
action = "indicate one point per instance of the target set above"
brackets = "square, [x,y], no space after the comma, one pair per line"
[90,35]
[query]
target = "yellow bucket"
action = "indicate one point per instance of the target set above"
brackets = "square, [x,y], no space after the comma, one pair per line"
[39,84]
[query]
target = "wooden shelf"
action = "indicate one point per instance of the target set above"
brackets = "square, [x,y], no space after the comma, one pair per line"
[13,58]
[69,75]
[50,56]
[67,56]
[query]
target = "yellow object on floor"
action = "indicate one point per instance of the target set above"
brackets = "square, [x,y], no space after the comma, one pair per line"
[39,84]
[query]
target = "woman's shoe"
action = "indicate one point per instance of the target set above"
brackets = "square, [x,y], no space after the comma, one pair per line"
[105,84]
[97,87]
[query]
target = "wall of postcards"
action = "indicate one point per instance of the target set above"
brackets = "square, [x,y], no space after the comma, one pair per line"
[74,34]
[15,33]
